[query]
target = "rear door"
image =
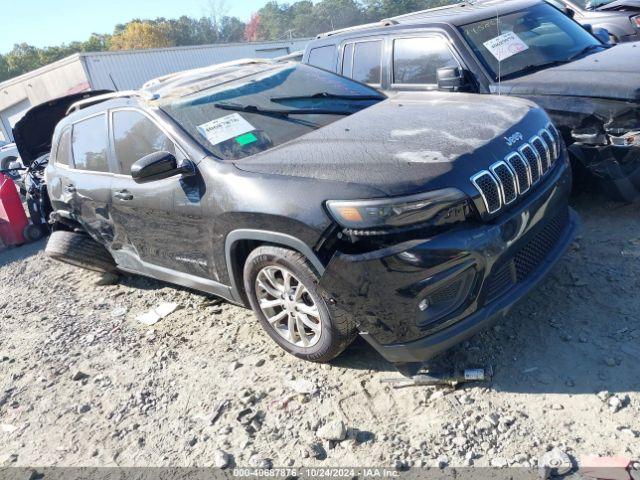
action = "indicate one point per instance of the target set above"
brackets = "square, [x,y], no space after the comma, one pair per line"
[87,186]
[160,223]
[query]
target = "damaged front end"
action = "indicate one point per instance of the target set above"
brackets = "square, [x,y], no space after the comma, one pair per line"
[604,143]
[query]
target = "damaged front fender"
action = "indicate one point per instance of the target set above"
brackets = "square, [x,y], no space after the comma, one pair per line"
[603,136]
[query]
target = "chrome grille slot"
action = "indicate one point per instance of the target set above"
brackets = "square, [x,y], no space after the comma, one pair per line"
[534,162]
[556,137]
[489,189]
[522,170]
[551,143]
[507,181]
[543,152]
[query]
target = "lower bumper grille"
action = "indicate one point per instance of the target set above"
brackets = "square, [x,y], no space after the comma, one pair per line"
[527,259]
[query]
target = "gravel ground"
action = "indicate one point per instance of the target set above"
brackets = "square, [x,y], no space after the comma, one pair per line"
[83,383]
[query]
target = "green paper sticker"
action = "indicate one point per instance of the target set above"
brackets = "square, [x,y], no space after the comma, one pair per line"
[246,139]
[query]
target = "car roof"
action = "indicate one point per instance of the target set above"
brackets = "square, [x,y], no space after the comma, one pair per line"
[176,85]
[456,15]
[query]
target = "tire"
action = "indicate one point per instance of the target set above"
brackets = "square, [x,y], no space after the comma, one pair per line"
[80,250]
[33,233]
[334,335]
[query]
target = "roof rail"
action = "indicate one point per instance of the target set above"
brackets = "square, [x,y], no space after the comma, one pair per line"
[382,23]
[76,107]
[154,82]
[429,10]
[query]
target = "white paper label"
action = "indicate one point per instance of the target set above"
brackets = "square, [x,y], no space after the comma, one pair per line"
[225,128]
[506,45]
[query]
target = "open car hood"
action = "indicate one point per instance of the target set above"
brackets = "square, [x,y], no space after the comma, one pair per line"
[611,73]
[33,133]
[621,5]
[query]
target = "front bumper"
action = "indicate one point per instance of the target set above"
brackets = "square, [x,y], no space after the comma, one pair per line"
[414,300]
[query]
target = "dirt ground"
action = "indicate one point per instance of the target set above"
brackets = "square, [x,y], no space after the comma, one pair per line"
[83,383]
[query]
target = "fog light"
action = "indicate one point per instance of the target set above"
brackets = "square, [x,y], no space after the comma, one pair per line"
[423,305]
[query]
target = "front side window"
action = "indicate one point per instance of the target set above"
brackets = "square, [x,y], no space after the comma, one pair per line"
[135,136]
[264,107]
[323,57]
[416,60]
[528,40]
[89,144]
[63,153]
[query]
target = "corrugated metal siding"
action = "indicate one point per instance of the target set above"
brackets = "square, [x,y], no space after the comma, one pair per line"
[39,86]
[130,70]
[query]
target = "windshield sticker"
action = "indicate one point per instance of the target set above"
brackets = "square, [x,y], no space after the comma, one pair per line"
[225,128]
[246,139]
[506,45]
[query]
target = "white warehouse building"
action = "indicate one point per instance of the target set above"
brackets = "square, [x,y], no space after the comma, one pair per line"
[126,70]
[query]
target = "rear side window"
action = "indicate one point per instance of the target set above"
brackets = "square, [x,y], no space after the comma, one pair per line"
[89,144]
[63,153]
[323,57]
[416,60]
[135,136]
[362,62]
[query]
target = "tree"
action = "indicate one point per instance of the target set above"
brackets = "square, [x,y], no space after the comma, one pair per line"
[140,36]
[252,29]
[231,30]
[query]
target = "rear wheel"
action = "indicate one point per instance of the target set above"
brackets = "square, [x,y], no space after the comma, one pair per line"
[282,289]
[80,250]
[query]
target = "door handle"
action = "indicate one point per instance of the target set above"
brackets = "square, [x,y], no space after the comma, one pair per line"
[123,195]
[70,189]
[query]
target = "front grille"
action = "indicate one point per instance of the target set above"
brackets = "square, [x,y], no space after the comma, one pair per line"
[526,260]
[533,254]
[500,282]
[506,180]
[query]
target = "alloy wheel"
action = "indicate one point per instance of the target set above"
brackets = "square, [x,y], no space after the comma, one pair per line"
[288,306]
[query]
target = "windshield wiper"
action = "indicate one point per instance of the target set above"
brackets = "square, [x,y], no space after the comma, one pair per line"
[534,68]
[585,50]
[277,112]
[330,96]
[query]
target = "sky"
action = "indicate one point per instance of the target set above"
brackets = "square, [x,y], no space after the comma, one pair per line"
[45,23]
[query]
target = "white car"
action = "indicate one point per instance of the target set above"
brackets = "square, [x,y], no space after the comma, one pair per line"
[8,154]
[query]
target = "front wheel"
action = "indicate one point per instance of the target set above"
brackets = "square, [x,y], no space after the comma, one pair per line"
[282,287]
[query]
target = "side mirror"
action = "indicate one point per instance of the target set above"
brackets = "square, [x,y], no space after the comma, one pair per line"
[158,166]
[569,12]
[451,79]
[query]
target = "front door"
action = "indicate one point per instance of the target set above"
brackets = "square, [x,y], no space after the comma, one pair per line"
[157,224]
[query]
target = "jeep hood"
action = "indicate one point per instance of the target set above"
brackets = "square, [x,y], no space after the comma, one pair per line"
[612,73]
[407,143]
[33,133]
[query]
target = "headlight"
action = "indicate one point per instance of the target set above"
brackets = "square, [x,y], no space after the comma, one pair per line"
[400,211]
[636,21]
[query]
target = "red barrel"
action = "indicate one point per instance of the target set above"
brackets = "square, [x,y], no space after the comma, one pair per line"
[13,219]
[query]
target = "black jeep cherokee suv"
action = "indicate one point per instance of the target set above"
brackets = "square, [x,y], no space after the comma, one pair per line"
[327,208]
[522,48]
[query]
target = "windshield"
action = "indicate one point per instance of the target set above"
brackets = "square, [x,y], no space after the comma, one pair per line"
[258,111]
[528,40]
